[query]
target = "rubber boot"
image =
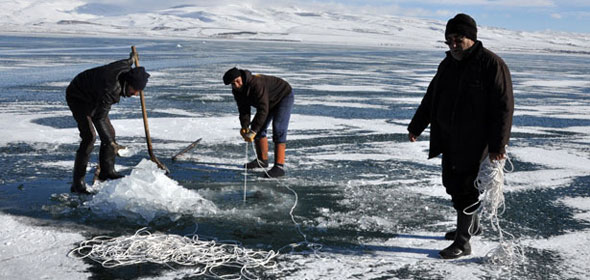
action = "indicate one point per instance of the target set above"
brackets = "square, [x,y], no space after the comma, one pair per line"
[475,229]
[278,170]
[107,162]
[78,183]
[261,160]
[460,247]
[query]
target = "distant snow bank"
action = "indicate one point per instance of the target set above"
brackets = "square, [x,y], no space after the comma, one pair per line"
[269,23]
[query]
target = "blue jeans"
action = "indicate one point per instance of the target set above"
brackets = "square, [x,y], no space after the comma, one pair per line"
[279,115]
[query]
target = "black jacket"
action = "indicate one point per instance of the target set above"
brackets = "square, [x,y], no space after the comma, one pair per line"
[93,91]
[469,105]
[98,88]
[262,92]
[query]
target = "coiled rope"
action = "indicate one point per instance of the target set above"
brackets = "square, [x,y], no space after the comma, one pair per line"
[204,257]
[490,184]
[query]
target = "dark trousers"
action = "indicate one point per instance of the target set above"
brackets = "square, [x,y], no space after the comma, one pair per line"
[85,122]
[459,184]
[279,115]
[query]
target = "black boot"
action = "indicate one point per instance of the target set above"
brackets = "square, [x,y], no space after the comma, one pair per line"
[276,171]
[475,229]
[257,163]
[107,163]
[460,246]
[78,183]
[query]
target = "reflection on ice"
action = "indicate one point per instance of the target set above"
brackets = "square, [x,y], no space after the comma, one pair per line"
[147,194]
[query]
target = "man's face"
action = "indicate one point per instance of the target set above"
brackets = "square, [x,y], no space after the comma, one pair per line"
[458,45]
[131,91]
[237,83]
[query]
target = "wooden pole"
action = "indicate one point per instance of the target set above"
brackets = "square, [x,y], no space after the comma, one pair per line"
[145,119]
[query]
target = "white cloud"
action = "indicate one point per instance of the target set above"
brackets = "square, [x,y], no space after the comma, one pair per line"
[556,16]
[503,3]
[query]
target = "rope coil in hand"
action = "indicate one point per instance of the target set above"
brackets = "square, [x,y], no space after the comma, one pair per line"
[490,184]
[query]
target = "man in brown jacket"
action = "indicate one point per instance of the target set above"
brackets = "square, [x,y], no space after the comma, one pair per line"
[469,106]
[273,99]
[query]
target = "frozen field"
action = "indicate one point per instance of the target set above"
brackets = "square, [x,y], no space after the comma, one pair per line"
[365,193]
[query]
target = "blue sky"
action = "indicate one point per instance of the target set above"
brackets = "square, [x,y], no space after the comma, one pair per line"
[524,15]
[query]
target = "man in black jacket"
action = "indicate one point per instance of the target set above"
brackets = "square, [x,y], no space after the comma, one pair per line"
[90,96]
[469,105]
[273,99]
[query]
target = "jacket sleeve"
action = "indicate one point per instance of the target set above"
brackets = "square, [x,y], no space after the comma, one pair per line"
[501,100]
[243,110]
[262,108]
[421,118]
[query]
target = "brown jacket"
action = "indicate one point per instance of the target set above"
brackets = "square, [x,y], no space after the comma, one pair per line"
[262,92]
[469,105]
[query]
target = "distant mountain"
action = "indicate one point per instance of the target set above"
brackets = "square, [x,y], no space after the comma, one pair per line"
[272,23]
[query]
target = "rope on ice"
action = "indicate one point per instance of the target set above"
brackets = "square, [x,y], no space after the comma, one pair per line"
[315,247]
[204,257]
[490,183]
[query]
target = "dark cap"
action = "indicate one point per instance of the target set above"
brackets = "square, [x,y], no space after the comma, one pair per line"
[137,78]
[231,75]
[462,24]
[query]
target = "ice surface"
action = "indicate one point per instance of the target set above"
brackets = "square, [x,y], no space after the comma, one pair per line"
[29,251]
[372,198]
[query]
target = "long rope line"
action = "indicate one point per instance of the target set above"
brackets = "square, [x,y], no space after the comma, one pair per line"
[315,247]
[490,184]
[246,173]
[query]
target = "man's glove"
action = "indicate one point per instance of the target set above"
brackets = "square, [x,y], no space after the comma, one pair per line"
[247,134]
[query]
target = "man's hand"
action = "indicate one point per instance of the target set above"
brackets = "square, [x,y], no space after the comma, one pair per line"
[496,156]
[412,137]
[247,134]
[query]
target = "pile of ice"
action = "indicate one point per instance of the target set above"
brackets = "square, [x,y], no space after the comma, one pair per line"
[145,195]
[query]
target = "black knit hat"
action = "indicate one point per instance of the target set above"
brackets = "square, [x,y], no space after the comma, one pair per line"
[137,78]
[231,75]
[462,24]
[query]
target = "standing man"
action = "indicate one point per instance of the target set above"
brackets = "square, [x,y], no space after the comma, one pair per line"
[90,96]
[273,99]
[469,106]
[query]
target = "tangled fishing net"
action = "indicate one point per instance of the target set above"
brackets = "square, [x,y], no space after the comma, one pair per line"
[209,258]
[490,183]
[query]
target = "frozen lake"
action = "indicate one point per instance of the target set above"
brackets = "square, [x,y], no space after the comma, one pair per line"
[365,193]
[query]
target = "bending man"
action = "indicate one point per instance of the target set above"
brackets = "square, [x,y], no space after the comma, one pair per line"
[273,99]
[90,96]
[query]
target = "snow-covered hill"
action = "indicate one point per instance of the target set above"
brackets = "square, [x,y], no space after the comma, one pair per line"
[321,24]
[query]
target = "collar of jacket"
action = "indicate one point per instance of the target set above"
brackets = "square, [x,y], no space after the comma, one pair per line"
[474,51]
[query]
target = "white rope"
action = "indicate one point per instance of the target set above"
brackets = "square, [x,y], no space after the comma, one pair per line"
[315,247]
[204,257]
[490,184]
[246,173]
